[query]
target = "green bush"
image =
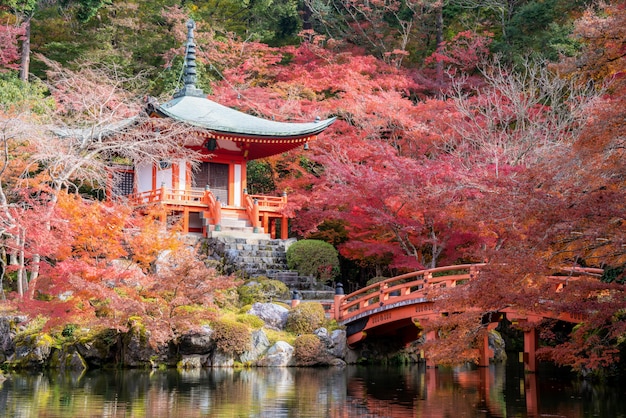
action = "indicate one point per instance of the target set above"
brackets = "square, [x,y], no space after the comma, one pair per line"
[231,337]
[305,318]
[250,320]
[311,257]
[308,350]
[262,290]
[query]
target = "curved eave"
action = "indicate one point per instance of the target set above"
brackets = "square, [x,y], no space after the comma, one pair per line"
[96,132]
[261,148]
[212,116]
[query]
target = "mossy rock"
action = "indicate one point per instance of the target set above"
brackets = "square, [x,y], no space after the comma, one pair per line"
[32,351]
[67,359]
[262,290]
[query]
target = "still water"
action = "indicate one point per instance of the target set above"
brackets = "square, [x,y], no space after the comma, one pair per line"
[356,391]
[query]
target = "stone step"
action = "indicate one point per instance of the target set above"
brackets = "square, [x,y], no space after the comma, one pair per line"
[235,223]
[286,274]
[239,234]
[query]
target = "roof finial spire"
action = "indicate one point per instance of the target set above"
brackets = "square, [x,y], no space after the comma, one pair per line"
[190,78]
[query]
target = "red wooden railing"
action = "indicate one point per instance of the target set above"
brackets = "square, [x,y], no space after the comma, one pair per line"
[259,209]
[214,208]
[401,288]
[415,285]
[183,197]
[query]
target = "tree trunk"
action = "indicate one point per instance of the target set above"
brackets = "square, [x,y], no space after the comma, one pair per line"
[439,40]
[3,266]
[25,62]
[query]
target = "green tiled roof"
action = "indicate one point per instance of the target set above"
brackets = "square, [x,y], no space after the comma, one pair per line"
[207,114]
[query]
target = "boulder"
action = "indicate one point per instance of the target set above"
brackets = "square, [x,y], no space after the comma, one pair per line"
[67,359]
[498,346]
[194,361]
[259,345]
[280,354]
[220,359]
[339,346]
[196,341]
[337,362]
[138,350]
[335,342]
[32,351]
[9,326]
[274,316]
[99,348]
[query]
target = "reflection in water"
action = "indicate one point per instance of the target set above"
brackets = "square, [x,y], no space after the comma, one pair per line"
[359,391]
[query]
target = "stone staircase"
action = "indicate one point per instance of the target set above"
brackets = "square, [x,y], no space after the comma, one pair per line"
[236,224]
[257,254]
[306,286]
[254,256]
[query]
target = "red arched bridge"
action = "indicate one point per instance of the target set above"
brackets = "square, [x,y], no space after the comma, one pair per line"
[400,306]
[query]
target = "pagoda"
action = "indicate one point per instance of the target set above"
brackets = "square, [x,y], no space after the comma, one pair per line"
[211,195]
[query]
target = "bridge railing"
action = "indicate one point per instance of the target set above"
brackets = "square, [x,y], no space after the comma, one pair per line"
[404,287]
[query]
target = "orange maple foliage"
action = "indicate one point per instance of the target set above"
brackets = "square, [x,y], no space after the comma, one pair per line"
[97,228]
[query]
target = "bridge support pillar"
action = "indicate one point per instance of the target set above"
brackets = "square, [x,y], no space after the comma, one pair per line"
[531,343]
[430,336]
[486,353]
[531,394]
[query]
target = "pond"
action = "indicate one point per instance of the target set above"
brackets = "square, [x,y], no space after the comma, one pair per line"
[356,391]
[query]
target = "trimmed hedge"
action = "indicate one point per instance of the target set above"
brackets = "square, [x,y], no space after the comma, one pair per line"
[311,257]
[308,349]
[305,318]
[231,337]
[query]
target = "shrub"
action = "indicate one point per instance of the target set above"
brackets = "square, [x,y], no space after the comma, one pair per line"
[250,320]
[311,257]
[308,349]
[305,318]
[231,337]
[262,290]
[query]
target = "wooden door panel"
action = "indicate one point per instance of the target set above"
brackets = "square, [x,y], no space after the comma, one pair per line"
[215,176]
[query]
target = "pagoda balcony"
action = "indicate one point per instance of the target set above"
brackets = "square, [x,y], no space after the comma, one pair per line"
[261,211]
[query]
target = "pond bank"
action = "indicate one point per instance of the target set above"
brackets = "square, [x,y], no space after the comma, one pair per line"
[26,346]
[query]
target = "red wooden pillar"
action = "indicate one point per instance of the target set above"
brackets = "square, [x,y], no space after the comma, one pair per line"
[531,343]
[186,220]
[266,223]
[531,395]
[284,228]
[485,352]
[430,335]
[273,228]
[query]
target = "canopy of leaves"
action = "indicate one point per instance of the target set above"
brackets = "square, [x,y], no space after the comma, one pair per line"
[442,153]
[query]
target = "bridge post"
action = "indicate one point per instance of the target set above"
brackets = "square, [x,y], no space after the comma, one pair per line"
[531,344]
[339,295]
[485,352]
[531,394]
[430,335]
[295,298]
